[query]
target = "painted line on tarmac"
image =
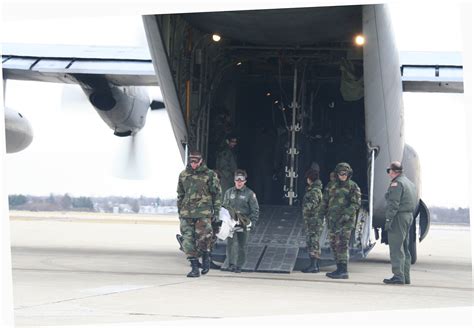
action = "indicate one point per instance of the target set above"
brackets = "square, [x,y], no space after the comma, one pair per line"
[244,277]
[101,294]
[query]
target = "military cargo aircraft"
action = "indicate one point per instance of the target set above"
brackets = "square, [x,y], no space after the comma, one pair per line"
[301,87]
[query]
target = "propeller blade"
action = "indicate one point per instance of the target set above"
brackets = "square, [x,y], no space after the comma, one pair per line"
[132,162]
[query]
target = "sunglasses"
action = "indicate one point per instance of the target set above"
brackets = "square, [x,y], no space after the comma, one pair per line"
[388,170]
[239,179]
[342,174]
[194,161]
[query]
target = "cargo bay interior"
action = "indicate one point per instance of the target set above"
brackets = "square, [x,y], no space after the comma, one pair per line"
[248,82]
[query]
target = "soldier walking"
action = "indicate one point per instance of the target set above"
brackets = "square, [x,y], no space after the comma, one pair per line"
[313,224]
[341,200]
[199,201]
[401,203]
[241,200]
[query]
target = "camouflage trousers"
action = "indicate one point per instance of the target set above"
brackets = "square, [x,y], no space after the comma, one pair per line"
[313,229]
[215,231]
[197,236]
[340,229]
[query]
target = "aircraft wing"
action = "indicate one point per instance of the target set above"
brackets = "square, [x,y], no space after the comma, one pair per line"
[122,66]
[127,66]
[432,71]
[114,79]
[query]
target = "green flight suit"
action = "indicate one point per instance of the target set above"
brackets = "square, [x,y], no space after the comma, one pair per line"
[244,202]
[199,200]
[226,164]
[401,203]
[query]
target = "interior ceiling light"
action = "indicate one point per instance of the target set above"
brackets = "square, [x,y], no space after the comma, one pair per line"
[216,37]
[359,40]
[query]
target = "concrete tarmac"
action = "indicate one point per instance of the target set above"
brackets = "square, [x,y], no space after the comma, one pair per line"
[76,270]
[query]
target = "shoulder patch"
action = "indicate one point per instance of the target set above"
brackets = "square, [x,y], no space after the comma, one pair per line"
[393,184]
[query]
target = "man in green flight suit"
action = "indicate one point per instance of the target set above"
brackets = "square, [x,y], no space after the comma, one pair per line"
[313,224]
[242,200]
[341,200]
[199,202]
[226,163]
[401,203]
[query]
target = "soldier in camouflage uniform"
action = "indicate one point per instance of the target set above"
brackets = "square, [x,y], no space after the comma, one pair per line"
[243,202]
[341,200]
[226,163]
[313,224]
[401,203]
[199,201]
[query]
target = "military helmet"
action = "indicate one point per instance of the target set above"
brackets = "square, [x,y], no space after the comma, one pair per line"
[240,175]
[343,167]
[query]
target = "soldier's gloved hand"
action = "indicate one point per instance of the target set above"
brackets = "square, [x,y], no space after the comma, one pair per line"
[388,225]
[216,224]
[249,226]
[238,228]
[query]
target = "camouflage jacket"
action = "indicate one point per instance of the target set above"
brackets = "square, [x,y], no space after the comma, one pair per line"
[199,193]
[243,201]
[401,197]
[312,200]
[340,198]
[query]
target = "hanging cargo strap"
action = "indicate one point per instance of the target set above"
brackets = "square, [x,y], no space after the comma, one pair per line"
[292,153]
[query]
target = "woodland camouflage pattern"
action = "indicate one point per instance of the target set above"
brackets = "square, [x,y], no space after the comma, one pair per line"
[197,236]
[199,200]
[199,193]
[313,224]
[341,200]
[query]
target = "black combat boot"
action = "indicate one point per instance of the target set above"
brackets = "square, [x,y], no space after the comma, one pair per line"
[335,272]
[206,262]
[394,281]
[313,266]
[343,274]
[340,273]
[230,268]
[194,268]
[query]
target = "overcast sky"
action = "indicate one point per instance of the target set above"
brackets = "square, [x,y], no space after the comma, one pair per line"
[75,152]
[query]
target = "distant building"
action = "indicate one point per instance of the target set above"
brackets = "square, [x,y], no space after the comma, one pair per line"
[167,209]
[148,209]
[125,208]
